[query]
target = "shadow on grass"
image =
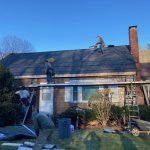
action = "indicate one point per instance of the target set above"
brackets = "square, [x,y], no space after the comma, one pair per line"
[127,142]
[92,141]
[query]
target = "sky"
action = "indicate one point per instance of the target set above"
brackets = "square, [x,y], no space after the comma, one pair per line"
[51,25]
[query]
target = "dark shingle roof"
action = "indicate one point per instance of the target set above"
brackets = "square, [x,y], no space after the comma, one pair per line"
[145,71]
[82,61]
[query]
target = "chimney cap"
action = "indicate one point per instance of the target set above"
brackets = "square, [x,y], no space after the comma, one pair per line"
[132,27]
[111,45]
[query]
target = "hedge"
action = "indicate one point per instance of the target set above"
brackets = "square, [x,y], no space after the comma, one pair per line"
[144,111]
[10,114]
[85,115]
[118,115]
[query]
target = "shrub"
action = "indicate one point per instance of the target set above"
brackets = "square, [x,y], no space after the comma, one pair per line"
[9,114]
[85,115]
[116,115]
[144,111]
[6,85]
[90,115]
[69,113]
[100,102]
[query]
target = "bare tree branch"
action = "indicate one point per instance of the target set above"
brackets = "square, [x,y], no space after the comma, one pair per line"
[13,44]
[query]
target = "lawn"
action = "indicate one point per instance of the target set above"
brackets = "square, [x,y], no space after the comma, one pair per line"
[90,139]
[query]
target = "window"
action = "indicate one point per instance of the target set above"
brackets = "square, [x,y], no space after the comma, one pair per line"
[83,93]
[71,94]
[88,91]
[75,93]
[46,94]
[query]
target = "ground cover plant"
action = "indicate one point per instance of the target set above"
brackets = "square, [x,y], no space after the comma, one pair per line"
[94,139]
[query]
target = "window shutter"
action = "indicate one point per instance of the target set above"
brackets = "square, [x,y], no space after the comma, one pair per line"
[69,94]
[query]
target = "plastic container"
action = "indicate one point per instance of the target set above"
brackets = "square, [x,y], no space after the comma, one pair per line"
[71,128]
[64,127]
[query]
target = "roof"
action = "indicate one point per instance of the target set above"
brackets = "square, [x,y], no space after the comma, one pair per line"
[82,61]
[144,56]
[145,71]
[145,64]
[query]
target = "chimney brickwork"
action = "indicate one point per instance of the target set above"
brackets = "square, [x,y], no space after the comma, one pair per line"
[133,39]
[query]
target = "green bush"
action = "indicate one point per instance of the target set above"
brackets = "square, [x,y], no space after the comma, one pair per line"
[10,114]
[116,114]
[85,115]
[70,113]
[100,102]
[6,84]
[90,115]
[144,111]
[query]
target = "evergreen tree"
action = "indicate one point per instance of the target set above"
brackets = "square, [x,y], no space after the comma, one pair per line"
[6,85]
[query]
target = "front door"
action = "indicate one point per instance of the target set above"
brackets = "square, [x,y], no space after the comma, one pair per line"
[46,100]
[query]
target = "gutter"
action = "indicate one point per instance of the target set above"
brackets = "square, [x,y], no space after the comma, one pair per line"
[77,75]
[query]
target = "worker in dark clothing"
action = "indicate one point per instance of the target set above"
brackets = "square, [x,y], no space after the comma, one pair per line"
[49,70]
[100,43]
[44,127]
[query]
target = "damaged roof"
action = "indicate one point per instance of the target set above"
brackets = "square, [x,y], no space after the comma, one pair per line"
[82,61]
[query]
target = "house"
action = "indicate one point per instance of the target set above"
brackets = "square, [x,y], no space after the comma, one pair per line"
[79,73]
[145,64]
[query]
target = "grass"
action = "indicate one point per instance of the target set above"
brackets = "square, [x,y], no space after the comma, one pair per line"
[90,139]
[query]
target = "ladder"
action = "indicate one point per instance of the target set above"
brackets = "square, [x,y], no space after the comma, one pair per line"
[132,102]
[30,101]
[146,89]
[25,116]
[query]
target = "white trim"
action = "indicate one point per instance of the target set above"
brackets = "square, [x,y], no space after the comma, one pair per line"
[79,94]
[76,75]
[46,106]
[69,94]
[31,77]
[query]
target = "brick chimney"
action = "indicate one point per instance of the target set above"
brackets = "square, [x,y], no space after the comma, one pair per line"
[133,39]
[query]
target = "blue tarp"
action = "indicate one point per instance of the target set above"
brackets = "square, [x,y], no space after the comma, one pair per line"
[15,132]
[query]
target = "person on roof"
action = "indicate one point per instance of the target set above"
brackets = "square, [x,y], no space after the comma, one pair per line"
[49,70]
[100,43]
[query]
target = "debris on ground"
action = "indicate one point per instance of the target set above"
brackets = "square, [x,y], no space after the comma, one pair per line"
[29,146]
[107,130]
[12,144]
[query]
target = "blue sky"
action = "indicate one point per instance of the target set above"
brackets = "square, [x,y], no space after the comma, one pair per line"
[74,24]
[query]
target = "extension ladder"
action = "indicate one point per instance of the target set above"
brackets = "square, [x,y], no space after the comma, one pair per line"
[132,102]
[146,89]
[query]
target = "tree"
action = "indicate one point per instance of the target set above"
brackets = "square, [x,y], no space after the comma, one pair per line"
[148,46]
[100,102]
[13,44]
[6,85]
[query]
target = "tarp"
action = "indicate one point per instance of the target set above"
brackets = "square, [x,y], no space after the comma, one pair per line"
[15,132]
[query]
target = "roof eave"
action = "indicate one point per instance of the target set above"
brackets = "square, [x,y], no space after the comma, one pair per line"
[78,75]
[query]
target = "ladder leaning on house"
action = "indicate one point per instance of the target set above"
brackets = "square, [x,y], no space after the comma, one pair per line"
[146,89]
[28,107]
[132,102]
